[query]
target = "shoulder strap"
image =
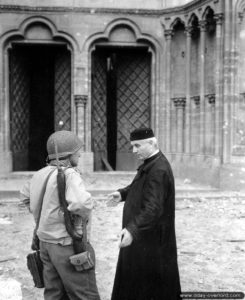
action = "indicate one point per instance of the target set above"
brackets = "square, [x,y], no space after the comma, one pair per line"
[42,196]
[61,185]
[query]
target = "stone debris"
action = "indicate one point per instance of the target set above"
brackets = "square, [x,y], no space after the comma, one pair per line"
[3,259]
[10,289]
[210,241]
[187,181]
[5,221]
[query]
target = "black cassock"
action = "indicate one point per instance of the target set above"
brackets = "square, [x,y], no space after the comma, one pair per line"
[148,268]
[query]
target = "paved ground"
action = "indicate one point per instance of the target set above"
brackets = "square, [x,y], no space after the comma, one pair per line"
[210,237]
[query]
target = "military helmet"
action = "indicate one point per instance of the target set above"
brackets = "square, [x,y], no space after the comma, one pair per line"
[66,143]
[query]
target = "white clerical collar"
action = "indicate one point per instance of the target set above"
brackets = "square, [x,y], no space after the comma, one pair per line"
[154,153]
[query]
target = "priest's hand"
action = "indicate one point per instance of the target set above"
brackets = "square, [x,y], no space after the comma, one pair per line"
[126,238]
[113,199]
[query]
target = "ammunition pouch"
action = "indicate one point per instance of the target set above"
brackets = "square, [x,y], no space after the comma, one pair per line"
[82,261]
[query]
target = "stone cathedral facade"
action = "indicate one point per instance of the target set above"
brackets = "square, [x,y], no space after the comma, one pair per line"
[103,68]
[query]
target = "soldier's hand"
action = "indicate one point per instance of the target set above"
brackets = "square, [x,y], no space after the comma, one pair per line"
[113,199]
[126,238]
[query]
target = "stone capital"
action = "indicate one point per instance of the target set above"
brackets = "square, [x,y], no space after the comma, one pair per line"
[179,102]
[203,25]
[168,33]
[219,18]
[211,98]
[80,100]
[196,99]
[240,17]
[188,30]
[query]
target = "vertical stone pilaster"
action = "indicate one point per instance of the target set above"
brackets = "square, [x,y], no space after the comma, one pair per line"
[180,106]
[202,25]
[6,157]
[238,134]
[227,92]
[234,80]
[187,148]
[168,36]
[86,161]
[81,102]
[81,84]
[195,125]
[210,123]
[218,85]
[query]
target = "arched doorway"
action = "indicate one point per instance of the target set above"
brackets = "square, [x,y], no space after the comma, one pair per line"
[39,97]
[121,102]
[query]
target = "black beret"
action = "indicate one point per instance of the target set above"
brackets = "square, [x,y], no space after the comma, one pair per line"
[141,134]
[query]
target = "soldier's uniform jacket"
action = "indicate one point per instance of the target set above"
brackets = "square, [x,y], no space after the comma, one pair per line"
[52,226]
[148,269]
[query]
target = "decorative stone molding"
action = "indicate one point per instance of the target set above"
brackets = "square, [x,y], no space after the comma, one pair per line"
[99,10]
[179,102]
[196,99]
[81,100]
[182,9]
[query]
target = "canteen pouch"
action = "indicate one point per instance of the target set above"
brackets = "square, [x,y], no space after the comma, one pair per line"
[35,267]
[82,261]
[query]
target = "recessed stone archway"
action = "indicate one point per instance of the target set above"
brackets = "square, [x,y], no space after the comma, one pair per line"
[38,77]
[121,45]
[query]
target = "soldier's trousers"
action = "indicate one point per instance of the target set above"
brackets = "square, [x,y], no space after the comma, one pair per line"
[61,280]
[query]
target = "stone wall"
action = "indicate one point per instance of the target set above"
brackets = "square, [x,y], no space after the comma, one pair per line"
[197,88]
[136,4]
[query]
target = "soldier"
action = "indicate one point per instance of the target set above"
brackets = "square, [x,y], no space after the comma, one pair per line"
[147,266]
[61,280]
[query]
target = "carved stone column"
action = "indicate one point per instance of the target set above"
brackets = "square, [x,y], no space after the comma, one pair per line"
[6,156]
[195,124]
[81,102]
[238,147]
[210,124]
[168,36]
[180,105]
[228,73]
[202,25]
[218,85]
[188,31]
